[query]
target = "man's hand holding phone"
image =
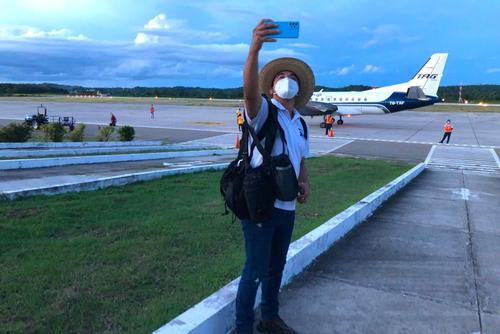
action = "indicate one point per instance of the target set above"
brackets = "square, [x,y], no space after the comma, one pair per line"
[261,33]
[268,31]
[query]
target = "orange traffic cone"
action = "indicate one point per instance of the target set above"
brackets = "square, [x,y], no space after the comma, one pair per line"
[237,145]
[330,133]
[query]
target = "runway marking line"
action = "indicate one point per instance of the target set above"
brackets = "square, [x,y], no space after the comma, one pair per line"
[336,148]
[429,155]
[409,142]
[495,156]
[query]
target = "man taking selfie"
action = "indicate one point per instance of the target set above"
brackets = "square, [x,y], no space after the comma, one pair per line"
[289,83]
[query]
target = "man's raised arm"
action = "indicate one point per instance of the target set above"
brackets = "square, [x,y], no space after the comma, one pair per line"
[251,70]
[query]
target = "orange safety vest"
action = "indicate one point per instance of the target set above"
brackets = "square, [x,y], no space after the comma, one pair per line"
[448,127]
[239,119]
[329,119]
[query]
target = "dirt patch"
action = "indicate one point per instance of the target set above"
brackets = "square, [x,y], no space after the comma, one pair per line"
[208,123]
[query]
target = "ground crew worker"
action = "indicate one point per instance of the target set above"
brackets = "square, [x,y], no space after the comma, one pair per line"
[44,110]
[329,123]
[239,119]
[448,128]
[152,111]
[113,120]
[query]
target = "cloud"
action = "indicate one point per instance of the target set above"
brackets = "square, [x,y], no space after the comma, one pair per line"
[302,45]
[158,22]
[164,52]
[372,69]
[20,32]
[385,33]
[342,70]
[159,30]
[142,38]
[493,70]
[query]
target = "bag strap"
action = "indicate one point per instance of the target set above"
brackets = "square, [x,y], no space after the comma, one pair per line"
[243,151]
[304,127]
[256,143]
[273,112]
[268,130]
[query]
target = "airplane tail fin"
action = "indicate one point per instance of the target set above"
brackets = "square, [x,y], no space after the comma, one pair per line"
[429,76]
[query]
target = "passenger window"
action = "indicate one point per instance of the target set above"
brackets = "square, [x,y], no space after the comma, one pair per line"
[352,99]
[359,99]
[328,99]
[366,99]
[334,99]
[340,99]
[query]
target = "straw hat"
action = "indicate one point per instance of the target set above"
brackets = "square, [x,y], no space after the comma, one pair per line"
[297,66]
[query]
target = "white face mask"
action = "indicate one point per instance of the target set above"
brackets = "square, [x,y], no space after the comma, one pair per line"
[286,88]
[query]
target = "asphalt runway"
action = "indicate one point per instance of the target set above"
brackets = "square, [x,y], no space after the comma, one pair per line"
[406,126]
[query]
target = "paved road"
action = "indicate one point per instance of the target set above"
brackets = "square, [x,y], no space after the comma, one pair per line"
[385,150]
[470,128]
[426,262]
[12,180]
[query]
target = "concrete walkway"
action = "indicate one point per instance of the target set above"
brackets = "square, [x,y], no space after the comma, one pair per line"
[427,262]
[13,180]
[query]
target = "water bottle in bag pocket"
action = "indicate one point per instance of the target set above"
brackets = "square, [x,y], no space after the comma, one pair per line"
[284,178]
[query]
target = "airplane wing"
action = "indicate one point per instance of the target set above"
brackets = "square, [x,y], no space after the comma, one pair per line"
[313,108]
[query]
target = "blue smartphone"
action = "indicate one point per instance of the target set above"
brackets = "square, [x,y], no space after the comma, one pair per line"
[287,29]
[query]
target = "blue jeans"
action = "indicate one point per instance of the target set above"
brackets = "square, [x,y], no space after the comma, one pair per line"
[266,246]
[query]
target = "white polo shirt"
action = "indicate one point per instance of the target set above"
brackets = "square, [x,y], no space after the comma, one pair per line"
[298,145]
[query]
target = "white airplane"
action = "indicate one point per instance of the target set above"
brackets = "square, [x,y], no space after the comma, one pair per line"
[418,92]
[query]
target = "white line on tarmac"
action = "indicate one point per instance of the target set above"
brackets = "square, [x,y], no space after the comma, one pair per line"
[336,148]
[465,194]
[409,142]
[495,156]
[429,155]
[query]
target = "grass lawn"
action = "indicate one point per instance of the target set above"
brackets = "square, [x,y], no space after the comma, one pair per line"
[128,259]
[233,103]
[439,107]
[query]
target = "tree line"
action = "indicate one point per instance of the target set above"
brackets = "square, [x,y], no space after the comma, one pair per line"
[473,93]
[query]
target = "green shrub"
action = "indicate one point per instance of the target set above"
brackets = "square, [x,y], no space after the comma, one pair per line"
[15,133]
[53,132]
[105,132]
[78,133]
[127,133]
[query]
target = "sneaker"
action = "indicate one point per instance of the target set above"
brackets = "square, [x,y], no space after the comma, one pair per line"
[276,326]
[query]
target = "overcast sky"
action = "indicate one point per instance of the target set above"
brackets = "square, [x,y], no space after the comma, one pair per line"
[204,43]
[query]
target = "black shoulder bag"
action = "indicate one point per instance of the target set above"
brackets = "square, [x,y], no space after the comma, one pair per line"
[231,182]
[285,181]
[248,192]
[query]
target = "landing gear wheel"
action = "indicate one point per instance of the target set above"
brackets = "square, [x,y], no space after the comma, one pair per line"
[340,122]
